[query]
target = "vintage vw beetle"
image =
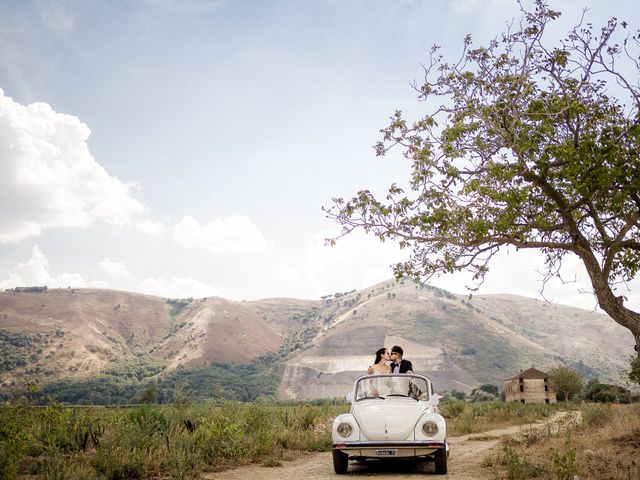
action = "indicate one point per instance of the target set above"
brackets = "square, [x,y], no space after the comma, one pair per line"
[392,416]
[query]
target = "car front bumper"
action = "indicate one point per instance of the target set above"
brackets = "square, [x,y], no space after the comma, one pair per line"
[390,449]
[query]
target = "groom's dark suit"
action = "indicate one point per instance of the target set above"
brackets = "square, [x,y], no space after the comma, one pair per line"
[405,366]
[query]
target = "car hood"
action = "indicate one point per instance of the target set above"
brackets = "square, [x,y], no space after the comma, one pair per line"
[388,419]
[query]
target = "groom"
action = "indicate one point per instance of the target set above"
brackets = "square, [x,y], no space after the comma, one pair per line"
[398,365]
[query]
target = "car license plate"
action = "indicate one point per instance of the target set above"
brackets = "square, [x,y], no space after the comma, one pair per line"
[387,452]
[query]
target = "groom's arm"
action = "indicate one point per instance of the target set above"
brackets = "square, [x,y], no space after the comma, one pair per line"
[409,367]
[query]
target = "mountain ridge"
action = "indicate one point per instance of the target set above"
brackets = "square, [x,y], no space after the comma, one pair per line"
[317,347]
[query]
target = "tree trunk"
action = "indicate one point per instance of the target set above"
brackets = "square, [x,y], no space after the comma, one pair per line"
[610,303]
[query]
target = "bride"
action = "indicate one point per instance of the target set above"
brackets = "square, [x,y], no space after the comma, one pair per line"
[380,386]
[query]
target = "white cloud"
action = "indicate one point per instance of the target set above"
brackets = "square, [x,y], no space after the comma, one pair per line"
[150,227]
[177,288]
[234,234]
[56,16]
[518,273]
[35,272]
[356,261]
[186,6]
[117,270]
[49,178]
[98,284]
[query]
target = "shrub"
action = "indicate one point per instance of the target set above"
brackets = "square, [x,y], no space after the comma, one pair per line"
[595,416]
[14,438]
[453,409]
[564,464]
[518,468]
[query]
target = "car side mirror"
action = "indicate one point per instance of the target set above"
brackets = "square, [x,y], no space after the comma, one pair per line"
[349,397]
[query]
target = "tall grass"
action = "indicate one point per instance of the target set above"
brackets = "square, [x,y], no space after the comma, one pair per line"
[464,418]
[596,442]
[174,442]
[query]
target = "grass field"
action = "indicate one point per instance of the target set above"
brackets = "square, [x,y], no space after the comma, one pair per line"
[180,441]
[603,445]
[177,442]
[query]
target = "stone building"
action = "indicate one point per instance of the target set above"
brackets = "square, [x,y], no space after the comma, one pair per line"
[530,386]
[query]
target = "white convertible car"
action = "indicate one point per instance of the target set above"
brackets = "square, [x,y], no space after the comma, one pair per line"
[392,416]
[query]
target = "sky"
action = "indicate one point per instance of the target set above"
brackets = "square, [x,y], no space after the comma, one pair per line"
[185,148]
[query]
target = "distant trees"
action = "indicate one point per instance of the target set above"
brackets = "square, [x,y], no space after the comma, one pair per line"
[28,289]
[567,382]
[606,393]
[634,373]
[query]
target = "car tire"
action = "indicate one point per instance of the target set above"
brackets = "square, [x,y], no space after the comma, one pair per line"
[441,461]
[340,462]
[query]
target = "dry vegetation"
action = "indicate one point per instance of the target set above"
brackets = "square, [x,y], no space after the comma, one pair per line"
[604,445]
[464,417]
[182,442]
[153,442]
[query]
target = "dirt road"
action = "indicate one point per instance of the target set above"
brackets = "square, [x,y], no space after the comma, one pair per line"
[465,461]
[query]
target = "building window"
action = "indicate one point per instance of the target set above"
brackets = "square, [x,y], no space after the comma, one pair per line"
[522,387]
[522,400]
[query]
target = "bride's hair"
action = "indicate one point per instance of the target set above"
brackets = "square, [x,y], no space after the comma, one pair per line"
[379,353]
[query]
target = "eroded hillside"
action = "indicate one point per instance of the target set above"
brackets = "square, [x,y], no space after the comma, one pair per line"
[316,348]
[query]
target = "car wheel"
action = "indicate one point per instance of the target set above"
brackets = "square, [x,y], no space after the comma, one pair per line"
[340,461]
[441,461]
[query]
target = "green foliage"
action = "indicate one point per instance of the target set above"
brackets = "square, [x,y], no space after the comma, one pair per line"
[453,408]
[489,388]
[447,396]
[519,468]
[526,147]
[137,368]
[595,416]
[564,464]
[30,289]
[152,441]
[606,393]
[470,417]
[136,382]
[15,348]
[566,381]
[479,395]
[177,305]
[14,438]
[634,373]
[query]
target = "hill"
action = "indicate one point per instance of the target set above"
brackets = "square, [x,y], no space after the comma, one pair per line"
[457,341]
[311,349]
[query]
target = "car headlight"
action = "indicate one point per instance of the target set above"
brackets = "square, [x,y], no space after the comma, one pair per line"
[344,429]
[430,428]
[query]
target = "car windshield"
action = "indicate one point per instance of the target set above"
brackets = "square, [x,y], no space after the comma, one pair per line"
[393,385]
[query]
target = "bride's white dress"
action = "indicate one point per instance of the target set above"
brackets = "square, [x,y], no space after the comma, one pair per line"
[379,387]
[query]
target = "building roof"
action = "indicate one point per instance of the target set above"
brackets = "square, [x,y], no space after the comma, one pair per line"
[529,374]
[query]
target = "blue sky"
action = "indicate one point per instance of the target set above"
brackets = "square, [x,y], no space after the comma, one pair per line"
[185,148]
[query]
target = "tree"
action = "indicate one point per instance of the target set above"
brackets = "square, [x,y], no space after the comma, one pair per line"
[479,395]
[489,388]
[148,395]
[606,393]
[530,149]
[634,373]
[566,381]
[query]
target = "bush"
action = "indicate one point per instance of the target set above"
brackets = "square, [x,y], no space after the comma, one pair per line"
[564,465]
[517,468]
[453,408]
[14,439]
[595,416]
